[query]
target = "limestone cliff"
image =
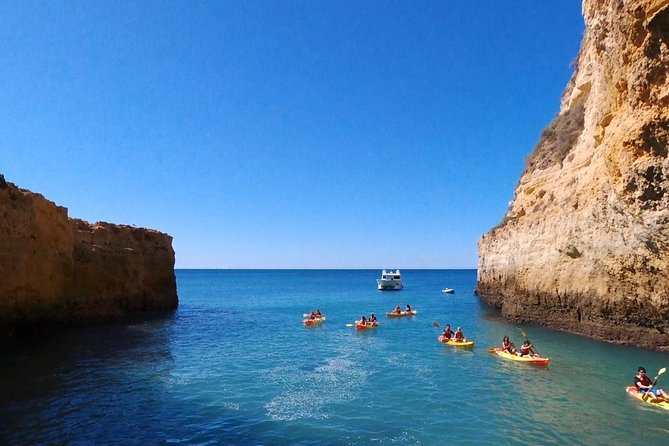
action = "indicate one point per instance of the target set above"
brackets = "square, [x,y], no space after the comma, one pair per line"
[57,270]
[584,245]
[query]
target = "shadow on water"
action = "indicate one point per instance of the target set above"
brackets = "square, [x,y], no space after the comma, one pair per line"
[122,384]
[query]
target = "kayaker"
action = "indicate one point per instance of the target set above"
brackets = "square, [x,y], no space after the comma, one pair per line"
[644,384]
[372,318]
[318,314]
[448,333]
[408,310]
[507,345]
[526,349]
[398,310]
[459,335]
[363,320]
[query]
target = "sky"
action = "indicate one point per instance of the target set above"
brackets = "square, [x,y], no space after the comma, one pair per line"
[284,134]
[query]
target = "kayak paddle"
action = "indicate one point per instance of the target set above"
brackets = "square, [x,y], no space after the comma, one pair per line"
[526,338]
[647,394]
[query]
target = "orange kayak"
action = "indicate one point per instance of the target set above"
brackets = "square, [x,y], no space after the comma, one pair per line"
[365,326]
[312,322]
[402,314]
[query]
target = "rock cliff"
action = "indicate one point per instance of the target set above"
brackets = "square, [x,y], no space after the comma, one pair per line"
[584,245]
[58,270]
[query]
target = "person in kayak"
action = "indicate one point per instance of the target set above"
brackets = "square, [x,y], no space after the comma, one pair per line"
[398,310]
[507,345]
[644,384]
[448,333]
[318,314]
[459,335]
[526,349]
[408,310]
[372,318]
[363,320]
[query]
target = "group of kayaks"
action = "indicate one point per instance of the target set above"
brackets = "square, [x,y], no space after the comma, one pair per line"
[360,325]
[314,318]
[366,325]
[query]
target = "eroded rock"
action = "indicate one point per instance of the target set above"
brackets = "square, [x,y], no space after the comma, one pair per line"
[584,245]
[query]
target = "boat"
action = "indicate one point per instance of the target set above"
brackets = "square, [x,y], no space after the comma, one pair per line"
[448,291]
[390,281]
[366,326]
[532,359]
[312,322]
[402,314]
[633,391]
[464,344]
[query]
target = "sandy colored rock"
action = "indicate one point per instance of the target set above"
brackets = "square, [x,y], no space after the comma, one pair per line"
[584,245]
[58,270]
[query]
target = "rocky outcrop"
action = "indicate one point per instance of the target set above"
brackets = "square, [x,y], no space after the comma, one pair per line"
[57,270]
[584,245]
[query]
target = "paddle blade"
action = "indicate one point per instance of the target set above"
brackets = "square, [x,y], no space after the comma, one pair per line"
[349,325]
[662,370]
[491,350]
[436,324]
[523,333]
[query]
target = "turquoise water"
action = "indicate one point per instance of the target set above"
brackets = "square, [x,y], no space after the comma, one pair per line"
[234,365]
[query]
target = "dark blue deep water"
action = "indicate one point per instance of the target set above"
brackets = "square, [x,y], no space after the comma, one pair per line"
[235,366]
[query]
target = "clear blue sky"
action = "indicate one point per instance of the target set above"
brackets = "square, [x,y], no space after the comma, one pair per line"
[284,134]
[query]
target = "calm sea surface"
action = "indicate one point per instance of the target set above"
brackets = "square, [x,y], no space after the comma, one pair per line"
[235,366]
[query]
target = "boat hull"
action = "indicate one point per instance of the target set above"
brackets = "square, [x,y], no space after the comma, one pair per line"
[402,314]
[461,344]
[366,326]
[384,285]
[632,391]
[312,322]
[535,360]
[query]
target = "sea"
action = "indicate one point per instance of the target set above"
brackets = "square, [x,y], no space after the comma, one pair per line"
[235,365]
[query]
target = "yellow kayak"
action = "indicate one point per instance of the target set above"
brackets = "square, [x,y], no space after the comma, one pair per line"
[632,391]
[402,314]
[536,360]
[464,344]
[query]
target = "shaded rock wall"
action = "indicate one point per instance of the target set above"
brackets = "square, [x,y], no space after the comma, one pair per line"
[584,245]
[57,270]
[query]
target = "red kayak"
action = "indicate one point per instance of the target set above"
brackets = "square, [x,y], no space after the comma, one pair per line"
[365,326]
[312,322]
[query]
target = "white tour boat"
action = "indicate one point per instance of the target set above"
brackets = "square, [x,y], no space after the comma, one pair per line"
[390,281]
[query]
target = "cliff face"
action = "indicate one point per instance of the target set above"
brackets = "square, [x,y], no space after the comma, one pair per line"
[584,245]
[56,270]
